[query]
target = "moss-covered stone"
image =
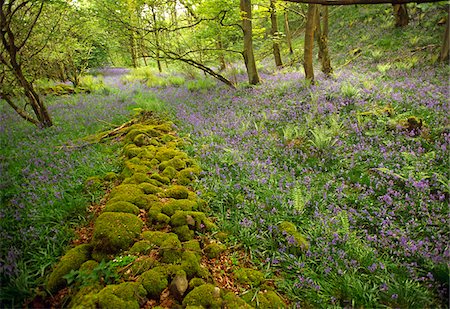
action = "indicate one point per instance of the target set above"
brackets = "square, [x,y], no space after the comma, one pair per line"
[131,168]
[177,163]
[195,282]
[249,276]
[131,193]
[137,178]
[192,245]
[188,175]
[93,184]
[142,140]
[124,295]
[274,300]
[231,300]
[149,188]
[213,250]
[142,265]
[111,176]
[290,230]
[121,206]
[86,298]
[114,232]
[170,250]
[190,263]
[267,300]
[206,295]
[161,179]
[167,138]
[126,189]
[88,266]
[221,236]
[177,192]
[147,153]
[131,151]
[184,233]
[72,260]
[154,281]
[165,127]
[141,247]
[169,172]
[165,154]
[191,218]
[182,204]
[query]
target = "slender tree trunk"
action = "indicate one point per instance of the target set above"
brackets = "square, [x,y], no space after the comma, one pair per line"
[274,32]
[249,57]
[288,32]
[157,51]
[309,42]
[444,56]
[401,15]
[323,41]
[223,64]
[318,31]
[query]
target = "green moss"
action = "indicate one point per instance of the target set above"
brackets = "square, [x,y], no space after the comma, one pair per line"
[114,232]
[122,207]
[133,194]
[124,295]
[147,153]
[161,179]
[192,218]
[181,204]
[188,175]
[168,243]
[169,172]
[126,189]
[183,232]
[142,140]
[165,154]
[142,265]
[267,300]
[72,260]
[249,276]
[148,188]
[137,178]
[213,250]
[164,127]
[177,163]
[167,138]
[291,230]
[192,245]
[131,151]
[231,300]
[190,263]
[141,247]
[88,266]
[274,300]
[154,281]
[86,298]
[177,192]
[221,236]
[206,295]
[155,215]
[195,282]
[93,184]
[131,168]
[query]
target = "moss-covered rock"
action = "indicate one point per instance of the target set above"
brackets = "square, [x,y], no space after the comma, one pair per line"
[169,172]
[213,250]
[142,140]
[93,184]
[195,282]
[121,206]
[188,175]
[154,281]
[184,233]
[161,179]
[147,153]
[142,265]
[110,176]
[124,295]
[231,300]
[182,204]
[131,193]
[165,154]
[249,276]
[190,263]
[131,151]
[206,295]
[295,237]
[165,127]
[177,192]
[137,178]
[191,218]
[149,188]
[192,245]
[141,247]
[267,300]
[177,163]
[131,168]
[114,232]
[72,260]
[88,266]
[86,298]
[126,189]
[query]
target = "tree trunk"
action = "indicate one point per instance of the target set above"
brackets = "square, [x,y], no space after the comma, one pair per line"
[309,43]
[274,32]
[401,15]
[223,64]
[249,57]
[323,42]
[288,32]
[444,56]
[157,51]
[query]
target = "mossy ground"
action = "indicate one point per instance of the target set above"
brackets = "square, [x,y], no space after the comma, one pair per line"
[152,235]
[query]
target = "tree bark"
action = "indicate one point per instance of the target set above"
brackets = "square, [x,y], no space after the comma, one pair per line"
[309,43]
[249,57]
[274,32]
[401,15]
[288,32]
[444,56]
[323,42]
[157,51]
